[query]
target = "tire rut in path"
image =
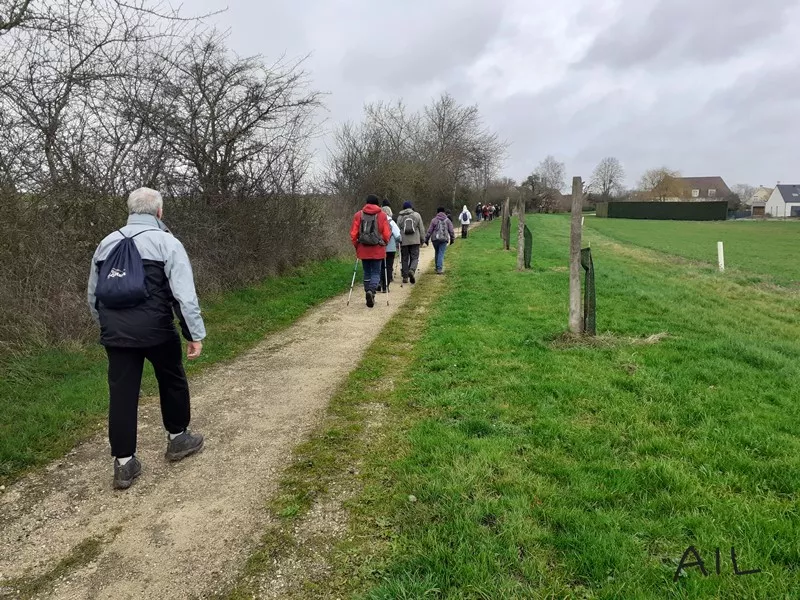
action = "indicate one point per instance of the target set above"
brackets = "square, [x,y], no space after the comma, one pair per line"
[183,530]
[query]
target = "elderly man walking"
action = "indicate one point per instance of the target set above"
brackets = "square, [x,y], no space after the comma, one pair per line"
[140,280]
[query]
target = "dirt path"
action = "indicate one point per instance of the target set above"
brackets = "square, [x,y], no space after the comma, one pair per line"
[183,530]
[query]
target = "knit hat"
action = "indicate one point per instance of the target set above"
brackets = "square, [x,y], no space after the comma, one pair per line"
[407,204]
[387,210]
[385,202]
[373,199]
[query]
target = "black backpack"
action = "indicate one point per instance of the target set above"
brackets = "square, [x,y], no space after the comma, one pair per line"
[409,227]
[368,234]
[120,282]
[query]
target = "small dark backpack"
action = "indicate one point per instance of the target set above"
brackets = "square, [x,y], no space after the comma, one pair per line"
[121,283]
[368,234]
[440,232]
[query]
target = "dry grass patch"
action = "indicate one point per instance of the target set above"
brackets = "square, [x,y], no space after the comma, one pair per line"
[604,340]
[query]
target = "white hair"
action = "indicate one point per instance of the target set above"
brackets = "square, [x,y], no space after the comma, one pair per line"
[144,201]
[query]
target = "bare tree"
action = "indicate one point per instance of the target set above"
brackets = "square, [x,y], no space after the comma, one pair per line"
[432,156]
[235,126]
[457,141]
[543,186]
[13,13]
[552,174]
[57,65]
[745,192]
[608,178]
[542,197]
[660,184]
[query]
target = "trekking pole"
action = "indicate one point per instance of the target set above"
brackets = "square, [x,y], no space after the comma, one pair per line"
[386,274]
[352,283]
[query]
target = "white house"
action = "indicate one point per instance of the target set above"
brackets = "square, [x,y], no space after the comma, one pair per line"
[784,201]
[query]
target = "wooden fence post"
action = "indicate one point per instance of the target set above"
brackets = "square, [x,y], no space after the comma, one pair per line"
[575,320]
[505,224]
[521,234]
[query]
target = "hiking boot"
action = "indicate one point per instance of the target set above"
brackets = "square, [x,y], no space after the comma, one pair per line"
[125,474]
[370,298]
[412,278]
[184,445]
[405,279]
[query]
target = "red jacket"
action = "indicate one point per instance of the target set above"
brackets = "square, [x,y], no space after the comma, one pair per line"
[371,252]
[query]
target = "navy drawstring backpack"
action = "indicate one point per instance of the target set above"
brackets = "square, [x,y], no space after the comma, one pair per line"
[120,283]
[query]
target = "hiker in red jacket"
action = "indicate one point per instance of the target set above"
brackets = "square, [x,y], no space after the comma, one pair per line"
[370,233]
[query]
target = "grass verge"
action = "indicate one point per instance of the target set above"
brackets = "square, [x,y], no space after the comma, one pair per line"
[510,466]
[50,400]
[756,250]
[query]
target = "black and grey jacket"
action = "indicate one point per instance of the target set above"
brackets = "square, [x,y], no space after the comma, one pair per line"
[170,283]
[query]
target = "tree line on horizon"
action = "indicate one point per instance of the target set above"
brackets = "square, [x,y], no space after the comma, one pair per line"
[543,190]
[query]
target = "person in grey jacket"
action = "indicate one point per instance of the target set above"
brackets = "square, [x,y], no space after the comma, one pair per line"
[147,331]
[412,230]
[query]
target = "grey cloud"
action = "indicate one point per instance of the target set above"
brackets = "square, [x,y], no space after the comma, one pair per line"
[640,93]
[763,89]
[423,42]
[741,132]
[677,32]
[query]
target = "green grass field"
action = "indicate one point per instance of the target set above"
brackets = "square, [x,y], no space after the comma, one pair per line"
[513,464]
[49,400]
[760,250]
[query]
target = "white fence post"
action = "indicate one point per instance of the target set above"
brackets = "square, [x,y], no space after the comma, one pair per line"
[721,257]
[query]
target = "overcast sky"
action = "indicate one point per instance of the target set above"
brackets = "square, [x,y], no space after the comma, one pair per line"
[707,87]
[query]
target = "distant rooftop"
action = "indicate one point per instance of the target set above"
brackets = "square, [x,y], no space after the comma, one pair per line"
[790,192]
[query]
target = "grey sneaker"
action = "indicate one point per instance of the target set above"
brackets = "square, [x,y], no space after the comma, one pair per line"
[125,474]
[184,445]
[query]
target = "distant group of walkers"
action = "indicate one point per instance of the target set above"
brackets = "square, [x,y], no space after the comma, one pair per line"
[376,236]
[487,212]
[141,280]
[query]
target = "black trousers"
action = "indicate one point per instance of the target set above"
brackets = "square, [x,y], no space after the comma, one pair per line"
[409,256]
[387,269]
[464,231]
[125,366]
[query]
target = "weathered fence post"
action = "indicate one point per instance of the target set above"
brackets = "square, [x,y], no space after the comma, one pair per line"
[505,224]
[575,321]
[521,234]
[721,257]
